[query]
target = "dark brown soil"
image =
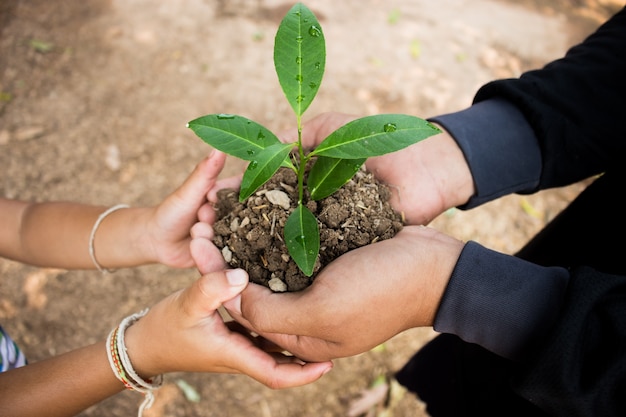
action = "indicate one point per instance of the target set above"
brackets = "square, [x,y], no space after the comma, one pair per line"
[251,233]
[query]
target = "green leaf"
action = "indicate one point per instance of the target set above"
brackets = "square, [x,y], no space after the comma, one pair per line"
[329,174]
[303,239]
[262,168]
[234,135]
[299,56]
[375,135]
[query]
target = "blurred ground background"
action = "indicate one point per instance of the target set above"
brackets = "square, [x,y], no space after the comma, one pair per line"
[94,98]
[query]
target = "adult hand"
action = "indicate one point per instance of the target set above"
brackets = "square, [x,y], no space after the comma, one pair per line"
[426,178]
[360,300]
[185,332]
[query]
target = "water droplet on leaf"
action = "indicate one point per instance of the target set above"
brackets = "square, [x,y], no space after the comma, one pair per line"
[390,127]
[315,31]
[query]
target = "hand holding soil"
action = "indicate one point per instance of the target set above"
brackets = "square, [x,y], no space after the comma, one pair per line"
[94,96]
[250,233]
[360,300]
[319,173]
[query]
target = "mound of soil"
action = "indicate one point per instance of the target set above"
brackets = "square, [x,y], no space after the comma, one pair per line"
[250,234]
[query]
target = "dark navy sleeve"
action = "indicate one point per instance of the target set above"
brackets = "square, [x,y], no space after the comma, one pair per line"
[550,127]
[500,302]
[576,106]
[580,366]
[565,328]
[499,146]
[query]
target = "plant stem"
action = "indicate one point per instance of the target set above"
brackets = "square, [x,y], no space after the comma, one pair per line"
[302,164]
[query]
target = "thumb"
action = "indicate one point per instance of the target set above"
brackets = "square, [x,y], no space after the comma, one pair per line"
[209,292]
[256,295]
[203,177]
[205,254]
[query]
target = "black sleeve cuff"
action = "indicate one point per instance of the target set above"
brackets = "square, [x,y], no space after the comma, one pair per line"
[500,148]
[500,302]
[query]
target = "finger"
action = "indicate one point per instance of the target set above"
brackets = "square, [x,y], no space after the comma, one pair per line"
[206,255]
[230,182]
[258,341]
[201,230]
[209,292]
[254,292]
[285,372]
[288,136]
[277,334]
[263,310]
[206,213]
[322,125]
[203,177]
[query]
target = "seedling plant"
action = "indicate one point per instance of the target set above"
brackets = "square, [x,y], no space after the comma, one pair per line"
[299,60]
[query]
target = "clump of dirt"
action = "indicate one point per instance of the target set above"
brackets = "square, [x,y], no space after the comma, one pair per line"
[250,234]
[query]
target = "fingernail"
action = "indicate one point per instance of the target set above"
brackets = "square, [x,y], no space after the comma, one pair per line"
[236,277]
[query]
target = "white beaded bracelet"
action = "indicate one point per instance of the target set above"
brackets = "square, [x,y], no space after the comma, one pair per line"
[123,368]
[92,237]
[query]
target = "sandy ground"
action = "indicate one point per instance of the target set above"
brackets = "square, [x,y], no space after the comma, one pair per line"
[94,98]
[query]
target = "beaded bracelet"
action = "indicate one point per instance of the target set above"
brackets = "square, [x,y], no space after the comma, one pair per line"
[122,367]
[92,237]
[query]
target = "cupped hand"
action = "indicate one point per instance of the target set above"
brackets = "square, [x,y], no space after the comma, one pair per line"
[185,332]
[168,226]
[360,300]
[425,179]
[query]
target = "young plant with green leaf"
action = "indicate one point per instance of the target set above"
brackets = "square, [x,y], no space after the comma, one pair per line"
[299,59]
